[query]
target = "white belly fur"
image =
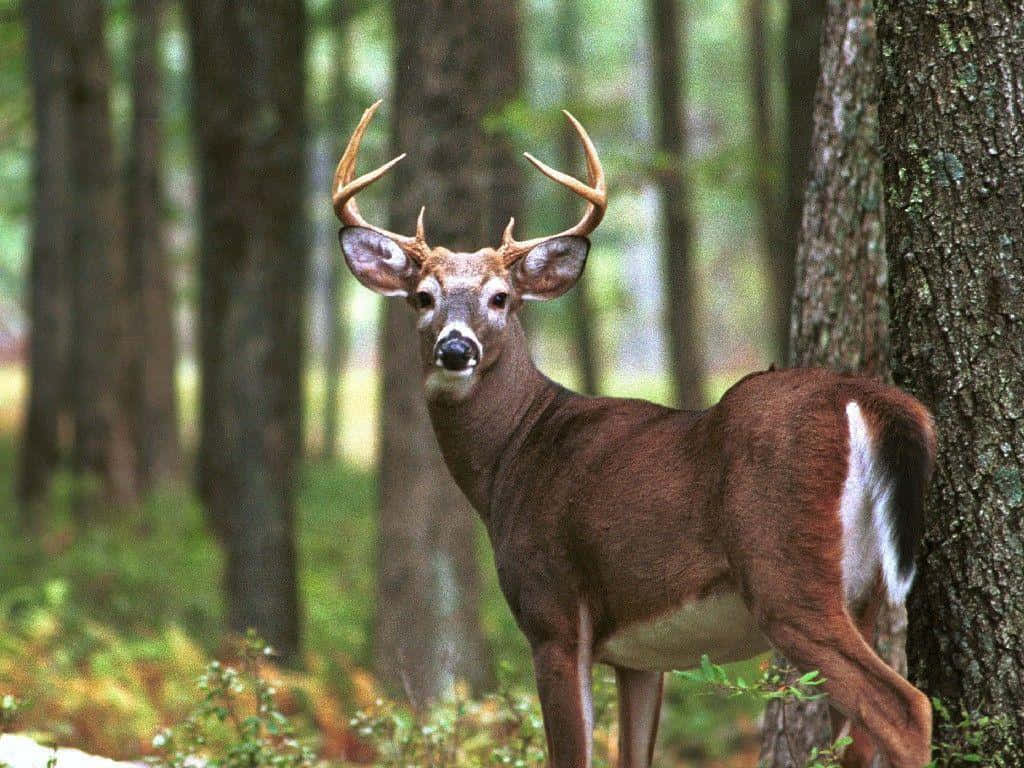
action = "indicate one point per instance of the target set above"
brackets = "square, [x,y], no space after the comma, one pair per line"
[720,626]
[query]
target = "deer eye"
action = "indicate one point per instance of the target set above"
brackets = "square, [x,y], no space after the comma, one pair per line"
[499,300]
[424,300]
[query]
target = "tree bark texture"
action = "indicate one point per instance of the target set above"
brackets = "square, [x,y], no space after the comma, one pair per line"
[428,632]
[150,333]
[680,294]
[802,67]
[581,306]
[952,136]
[840,310]
[103,455]
[341,113]
[248,81]
[49,281]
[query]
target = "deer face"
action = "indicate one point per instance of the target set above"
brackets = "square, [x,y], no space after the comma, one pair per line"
[463,301]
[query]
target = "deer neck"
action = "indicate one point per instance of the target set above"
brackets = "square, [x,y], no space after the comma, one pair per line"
[476,432]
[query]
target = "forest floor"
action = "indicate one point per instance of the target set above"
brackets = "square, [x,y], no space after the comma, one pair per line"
[105,628]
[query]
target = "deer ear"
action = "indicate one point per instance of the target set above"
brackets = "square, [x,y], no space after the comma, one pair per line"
[378,262]
[551,269]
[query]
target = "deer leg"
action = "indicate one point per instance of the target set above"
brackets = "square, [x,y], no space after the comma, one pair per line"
[639,707]
[563,684]
[861,685]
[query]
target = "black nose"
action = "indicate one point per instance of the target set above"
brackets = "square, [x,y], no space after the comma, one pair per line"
[456,353]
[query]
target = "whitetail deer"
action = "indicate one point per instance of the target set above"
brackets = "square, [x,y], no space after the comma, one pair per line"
[641,536]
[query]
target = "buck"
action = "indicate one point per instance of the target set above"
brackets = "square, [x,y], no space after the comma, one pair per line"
[643,537]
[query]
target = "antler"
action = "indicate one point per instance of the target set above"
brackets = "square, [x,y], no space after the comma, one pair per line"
[595,194]
[346,189]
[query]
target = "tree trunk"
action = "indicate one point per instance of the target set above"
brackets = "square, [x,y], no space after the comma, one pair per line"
[427,632]
[340,114]
[581,308]
[249,79]
[150,338]
[769,193]
[802,66]
[103,456]
[681,311]
[951,105]
[49,289]
[839,310]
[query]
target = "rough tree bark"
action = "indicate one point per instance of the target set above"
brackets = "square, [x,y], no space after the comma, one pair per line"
[49,288]
[248,79]
[953,146]
[580,307]
[840,310]
[802,67]
[341,113]
[103,455]
[681,312]
[150,352]
[427,632]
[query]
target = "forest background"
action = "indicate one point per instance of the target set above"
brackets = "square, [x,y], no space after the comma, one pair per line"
[212,428]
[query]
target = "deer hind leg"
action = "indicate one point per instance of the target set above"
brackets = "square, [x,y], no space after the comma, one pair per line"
[876,699]
[639,708]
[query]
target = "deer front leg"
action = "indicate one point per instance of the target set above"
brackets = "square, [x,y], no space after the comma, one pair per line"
[563,683]
[639,707]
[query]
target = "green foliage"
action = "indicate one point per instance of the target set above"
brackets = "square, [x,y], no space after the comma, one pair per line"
[964,739]
[237,723]
[774,683]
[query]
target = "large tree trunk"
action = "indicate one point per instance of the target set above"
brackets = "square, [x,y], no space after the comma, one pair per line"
[951,107]
[254,359]
[839,310]
[802,66]
[681,311]
[103,456]
[49,289]
[150,336]
[580,307]
[427,632]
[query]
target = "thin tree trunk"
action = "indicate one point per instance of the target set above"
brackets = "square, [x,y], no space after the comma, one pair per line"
[427,632]
[580,305]
[49,289]
[248,79]
[839,310]
[802,67]
[103,455]
[769,192]
[150,338]
[340,114]
[953,147]
[681,311]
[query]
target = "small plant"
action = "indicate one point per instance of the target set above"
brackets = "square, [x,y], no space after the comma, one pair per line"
[960,740]
[237,723]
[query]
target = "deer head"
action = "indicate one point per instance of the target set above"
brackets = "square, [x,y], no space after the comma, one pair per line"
[464,301]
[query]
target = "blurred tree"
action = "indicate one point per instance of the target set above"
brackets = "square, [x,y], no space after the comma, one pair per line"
[49,279]
[839,310]
[150,347]
[570,25]
[802,66]
[427,632]
[681,314]
[103,454]
[249,83]
[341,112]
[953,149]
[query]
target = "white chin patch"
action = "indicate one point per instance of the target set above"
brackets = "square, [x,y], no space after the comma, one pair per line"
[454,384]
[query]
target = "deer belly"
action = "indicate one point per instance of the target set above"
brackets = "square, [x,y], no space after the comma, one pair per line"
[720,626]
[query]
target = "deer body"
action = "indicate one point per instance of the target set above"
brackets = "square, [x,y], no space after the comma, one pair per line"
[642,536]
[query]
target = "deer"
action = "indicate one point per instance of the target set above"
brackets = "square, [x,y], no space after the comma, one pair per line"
[643,537]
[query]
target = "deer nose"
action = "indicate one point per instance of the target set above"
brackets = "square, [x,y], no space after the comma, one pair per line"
[455,352]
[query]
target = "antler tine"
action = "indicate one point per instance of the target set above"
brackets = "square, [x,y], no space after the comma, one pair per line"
[595,193]
[345,189]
